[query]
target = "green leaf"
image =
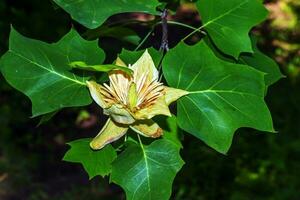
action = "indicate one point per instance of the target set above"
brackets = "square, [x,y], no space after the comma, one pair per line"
[223,96]
[257,60]
[92,13]
[229,22]
[147,172]
[99,68]
[94,162]
[42,71]
[130,57]
[262,63]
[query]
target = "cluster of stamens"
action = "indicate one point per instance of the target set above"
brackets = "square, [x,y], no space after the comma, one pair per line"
[118,90]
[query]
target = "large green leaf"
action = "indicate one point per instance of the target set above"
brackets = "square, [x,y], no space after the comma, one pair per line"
[223,96]
[263,63]
[229,22]
[42,71]
[92,14]
[147,172]
[94,162]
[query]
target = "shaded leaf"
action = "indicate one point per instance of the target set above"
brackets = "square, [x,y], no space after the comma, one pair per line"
[47,117]
[130,57]
[217,51]
[170,128]
[229,22]
[147,172]
[94,162]
[223,96]
[42,71]
[118,32]
[256,60]
[92,13]
[262,63]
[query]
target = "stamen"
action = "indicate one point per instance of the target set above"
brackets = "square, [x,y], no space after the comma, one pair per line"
[111,91]
[144,89]
[153,96]
[141,83]
[148,91]
[155,87]
[114,85]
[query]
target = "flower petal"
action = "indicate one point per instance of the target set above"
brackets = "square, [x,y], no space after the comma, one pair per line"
[147,128]
[120,62]
[173,94]
[119,114]
[144,65]
[160,107]
[95,90]
[109,133]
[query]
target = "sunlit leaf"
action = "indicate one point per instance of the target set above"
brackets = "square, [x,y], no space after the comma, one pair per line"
[42,71]
[229,22]
[223,96]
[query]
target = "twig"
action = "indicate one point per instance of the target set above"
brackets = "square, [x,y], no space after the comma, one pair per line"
[164,21]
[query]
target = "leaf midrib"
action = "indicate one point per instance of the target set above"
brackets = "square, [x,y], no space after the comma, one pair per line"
[147,169]
[223,99]
[226,13]
[223,91]
[44,68]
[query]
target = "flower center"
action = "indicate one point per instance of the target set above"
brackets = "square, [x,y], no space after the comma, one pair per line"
[134,92]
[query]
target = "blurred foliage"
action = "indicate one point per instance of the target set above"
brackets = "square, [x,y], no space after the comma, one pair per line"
[284,29]
[259,166]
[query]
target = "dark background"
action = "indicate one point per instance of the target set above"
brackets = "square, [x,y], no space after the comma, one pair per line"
[258,166]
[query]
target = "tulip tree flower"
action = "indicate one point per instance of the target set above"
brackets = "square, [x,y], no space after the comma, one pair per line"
[132,100]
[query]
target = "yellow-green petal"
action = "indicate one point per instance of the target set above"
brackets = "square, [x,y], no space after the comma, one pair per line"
[120,62]
[147,128]
[160,107]
[173,94]
[111,132]
[119,114]
[144,65]
[95,91]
